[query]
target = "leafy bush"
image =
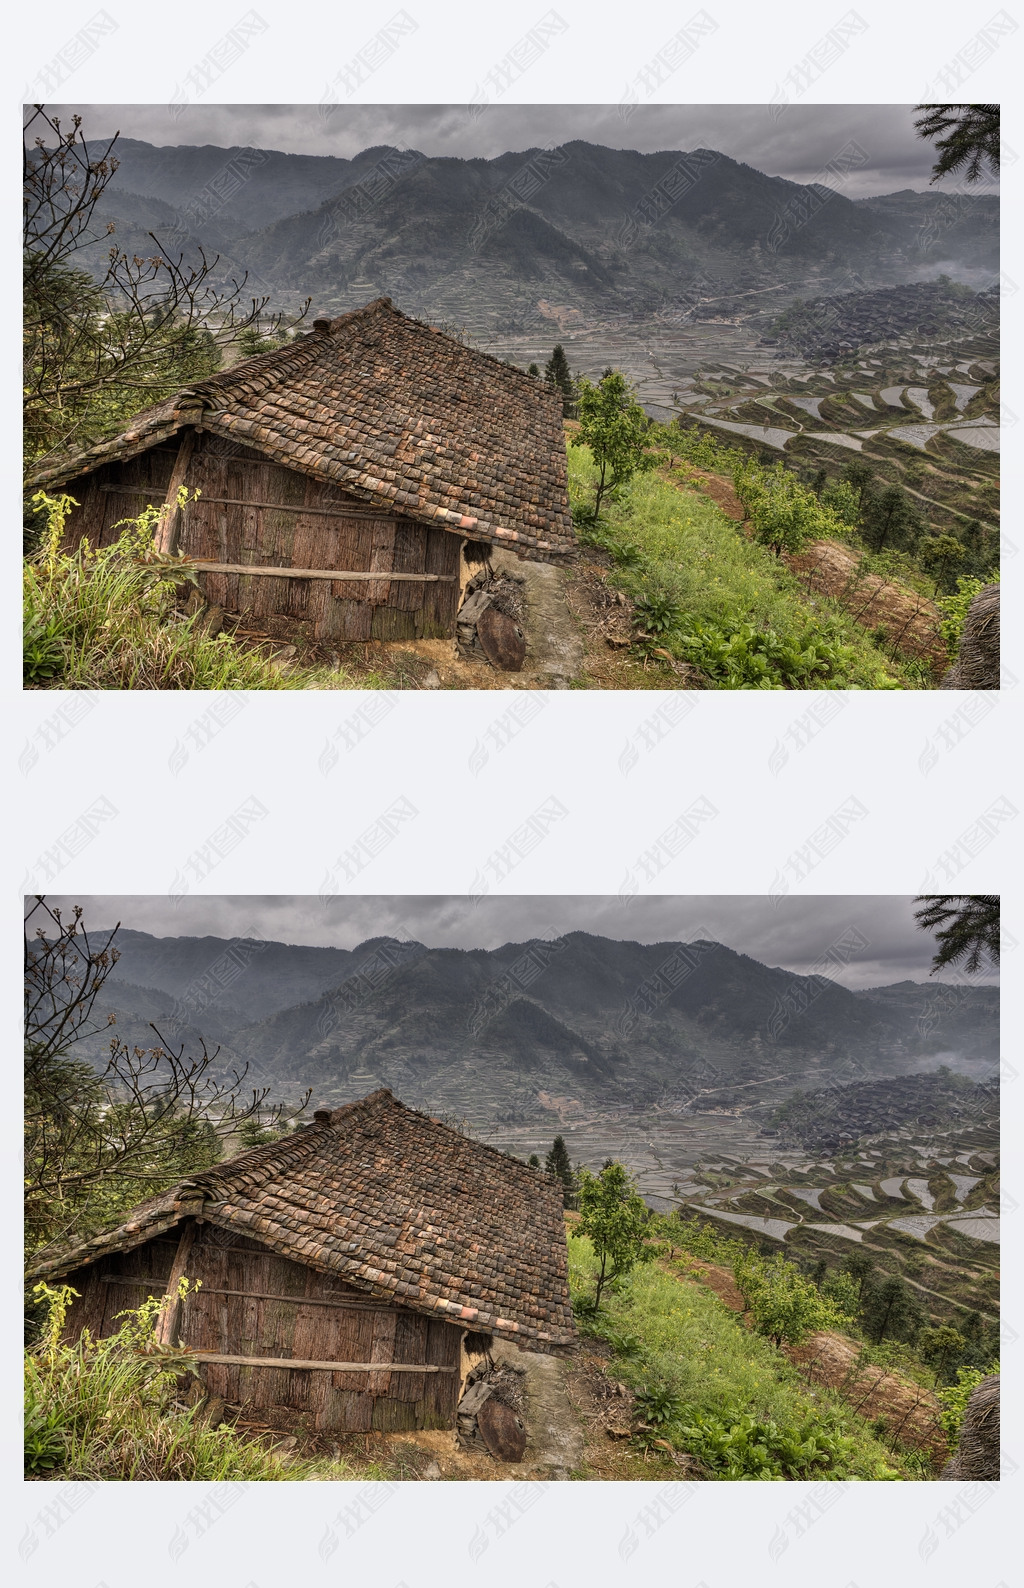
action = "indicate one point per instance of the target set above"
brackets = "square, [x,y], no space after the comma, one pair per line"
[784,513]
[657,1404]
[953,1399]
[743,657]
[782,1303]
[954,612]
[760,1448]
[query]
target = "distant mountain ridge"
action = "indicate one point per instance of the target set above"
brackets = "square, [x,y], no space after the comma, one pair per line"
[497,1033]
[605,231]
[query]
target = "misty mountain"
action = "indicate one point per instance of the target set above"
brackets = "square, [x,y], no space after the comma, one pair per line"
[602,231]
[499,1034]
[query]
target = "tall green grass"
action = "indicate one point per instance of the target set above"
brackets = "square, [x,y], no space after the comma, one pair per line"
[709,596]
[110,1409]
[732,1395]
[107,619]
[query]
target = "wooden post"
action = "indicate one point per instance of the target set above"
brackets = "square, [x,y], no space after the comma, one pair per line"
[167,1327]
[170,516]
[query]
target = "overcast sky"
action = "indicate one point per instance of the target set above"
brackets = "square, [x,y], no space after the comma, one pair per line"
[797,144]
[792,932]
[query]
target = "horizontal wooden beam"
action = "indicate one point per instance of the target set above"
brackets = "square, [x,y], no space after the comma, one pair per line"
[319,573]
[271,507]
[326,1367]
[250,1295]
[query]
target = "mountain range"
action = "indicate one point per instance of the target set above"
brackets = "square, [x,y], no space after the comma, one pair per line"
[502,1035]
[497,242]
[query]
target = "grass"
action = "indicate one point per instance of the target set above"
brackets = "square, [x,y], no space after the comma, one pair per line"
[109,619]
[112,1410]
[732,1394]
[720,601]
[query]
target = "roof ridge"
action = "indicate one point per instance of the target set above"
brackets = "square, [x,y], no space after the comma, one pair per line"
[268,1156]
[375,306]
[263,366]
[385,1092]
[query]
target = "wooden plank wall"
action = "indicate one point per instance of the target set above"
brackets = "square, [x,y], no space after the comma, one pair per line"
[100,1302]
[100,510]
[222,532]
[356,1330]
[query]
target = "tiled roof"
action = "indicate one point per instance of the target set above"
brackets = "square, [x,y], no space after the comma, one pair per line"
[395,412]
[393,1202]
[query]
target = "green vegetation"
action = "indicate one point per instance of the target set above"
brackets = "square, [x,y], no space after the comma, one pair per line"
[108,619]
[557,373]
[709,596]
[727,1395]
[613,427]
[783,1305]
[966,927]
[954,612]
[613,1216]
[954,1398]
[856,1297]
[113,1409]
[966,137]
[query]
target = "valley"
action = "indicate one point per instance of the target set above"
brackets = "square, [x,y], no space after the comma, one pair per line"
[785,1109]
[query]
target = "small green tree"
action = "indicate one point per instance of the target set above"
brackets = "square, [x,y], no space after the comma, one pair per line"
[937,1346]
[533,1162]
[858,477]
[558,1162]
[782,1303]
[890,1309]
[887,519]
[860,1268]
[941,556]
[614,1217]
[614,426]
[783,512]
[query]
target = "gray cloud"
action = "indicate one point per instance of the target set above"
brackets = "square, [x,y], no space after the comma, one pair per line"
[792,932]
[797,144]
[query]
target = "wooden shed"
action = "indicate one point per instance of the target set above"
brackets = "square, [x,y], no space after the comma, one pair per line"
[340,476]
[352,1273]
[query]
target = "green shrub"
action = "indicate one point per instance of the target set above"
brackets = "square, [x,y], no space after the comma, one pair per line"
[676,1336]
[754,1448]
[782,1303]
[743,657]
[784,513]
[657,1404]
[953,1399]
[954,612]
